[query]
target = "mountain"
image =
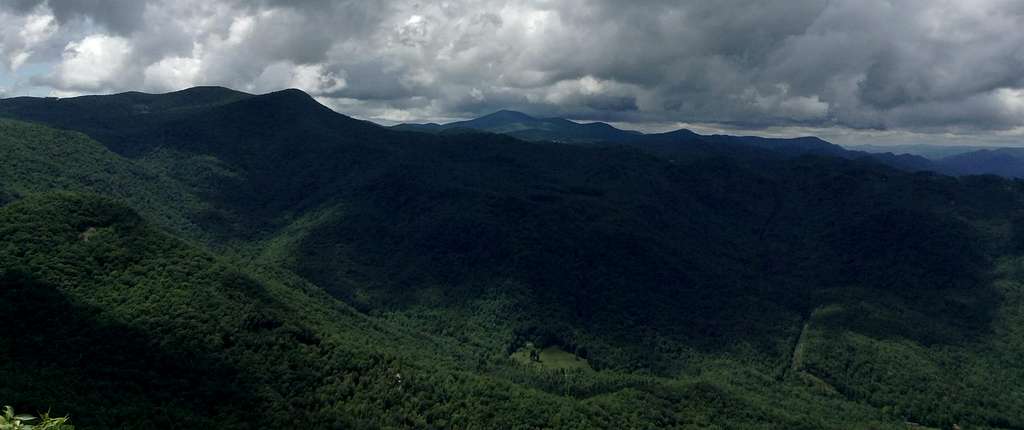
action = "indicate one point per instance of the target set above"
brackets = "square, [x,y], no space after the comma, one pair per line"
[676,145]
[966,160]
[223,253]
[931,152]
[526,127]
[1006,162]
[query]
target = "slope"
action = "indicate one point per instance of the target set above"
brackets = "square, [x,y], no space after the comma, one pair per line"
[38,159]
[648,267]
[155,333]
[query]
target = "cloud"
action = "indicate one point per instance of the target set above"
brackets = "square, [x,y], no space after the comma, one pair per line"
[172,73]
[94,63]
[119,16]
[314,79]
[920,66]
[20,35]
[779,105]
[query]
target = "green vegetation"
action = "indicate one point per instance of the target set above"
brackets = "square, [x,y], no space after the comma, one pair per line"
[211,259]
[10,421]
[38,159]
[184,338]
[975,381]
[551,357]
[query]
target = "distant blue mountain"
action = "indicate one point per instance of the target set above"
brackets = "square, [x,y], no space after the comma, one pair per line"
[1007,162]
[965,160]
[929,151]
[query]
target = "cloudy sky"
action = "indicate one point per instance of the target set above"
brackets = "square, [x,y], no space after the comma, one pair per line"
[852,71]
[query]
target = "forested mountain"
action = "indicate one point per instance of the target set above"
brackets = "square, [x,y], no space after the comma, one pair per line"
[679,144]
[526,127]
[931,152]
[307,269]
[1007,162]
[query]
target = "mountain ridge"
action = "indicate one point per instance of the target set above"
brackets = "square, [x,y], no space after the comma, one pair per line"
[521,125]
[676,144]
[678,285]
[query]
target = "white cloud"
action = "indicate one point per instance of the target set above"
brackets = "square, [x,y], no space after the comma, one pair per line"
[780,103]
[1012,99]
[589,93]
[173,73]
[415,31]
[240,29]
[21,35]
[802,108]
[93,64]
[314,79]
[18,58]
[38,27]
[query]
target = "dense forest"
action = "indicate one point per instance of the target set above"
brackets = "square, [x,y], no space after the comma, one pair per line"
[216,259]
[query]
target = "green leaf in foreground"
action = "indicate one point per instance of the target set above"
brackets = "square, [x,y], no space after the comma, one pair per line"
[10,421]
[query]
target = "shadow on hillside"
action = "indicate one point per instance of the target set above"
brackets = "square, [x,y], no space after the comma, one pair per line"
[61,355]
[644,286]
[912,274]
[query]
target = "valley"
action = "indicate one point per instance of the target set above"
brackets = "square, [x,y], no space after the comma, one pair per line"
[261,261]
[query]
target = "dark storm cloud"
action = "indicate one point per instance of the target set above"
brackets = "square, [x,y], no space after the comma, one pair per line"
[20,5]
[919,65]
[121,16]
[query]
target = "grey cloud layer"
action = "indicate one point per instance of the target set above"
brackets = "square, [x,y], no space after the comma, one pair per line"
[922,65]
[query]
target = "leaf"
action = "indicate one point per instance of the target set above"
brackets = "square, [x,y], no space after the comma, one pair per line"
[25,417]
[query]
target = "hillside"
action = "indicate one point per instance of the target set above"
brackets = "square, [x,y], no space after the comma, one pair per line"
[39,159]
[158,334]
[688,291]
[155,333]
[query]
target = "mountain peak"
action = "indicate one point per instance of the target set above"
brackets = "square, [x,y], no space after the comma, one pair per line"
[509,115]
[208,90]
[297,105]
[291,94]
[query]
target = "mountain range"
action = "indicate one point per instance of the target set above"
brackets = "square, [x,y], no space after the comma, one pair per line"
[526,127]
[679,142]
[215,259]
[947,160]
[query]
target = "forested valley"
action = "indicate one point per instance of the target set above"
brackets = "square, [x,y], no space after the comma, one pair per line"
[215,259]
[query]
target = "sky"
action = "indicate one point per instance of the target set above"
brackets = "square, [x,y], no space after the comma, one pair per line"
[850,71]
